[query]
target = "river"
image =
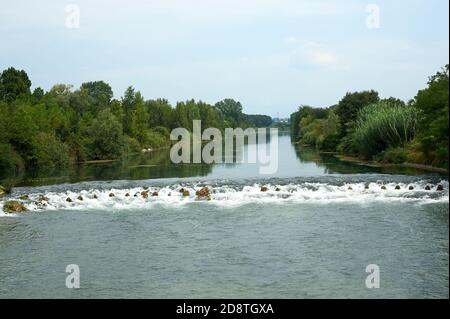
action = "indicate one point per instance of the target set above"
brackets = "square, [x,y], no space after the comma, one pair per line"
[312,234]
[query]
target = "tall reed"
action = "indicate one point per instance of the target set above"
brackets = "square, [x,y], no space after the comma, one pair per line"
[383,125]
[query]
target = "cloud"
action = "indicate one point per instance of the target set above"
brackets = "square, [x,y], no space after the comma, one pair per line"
[311,53]
[318,55]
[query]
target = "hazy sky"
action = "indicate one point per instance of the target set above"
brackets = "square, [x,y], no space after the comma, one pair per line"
[272,55]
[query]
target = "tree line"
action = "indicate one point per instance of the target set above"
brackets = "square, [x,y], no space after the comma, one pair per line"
[385,130]
[63,126]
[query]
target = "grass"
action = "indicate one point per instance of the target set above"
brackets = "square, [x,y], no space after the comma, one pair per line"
[384,125]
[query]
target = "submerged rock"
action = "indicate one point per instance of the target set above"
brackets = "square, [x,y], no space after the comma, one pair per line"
[24,197]
[383,187]
[440,188]
[277,189]
[350,188]
[264,189]
[366,186]
[14,206]
[186,193]
[41,204]
[43,198]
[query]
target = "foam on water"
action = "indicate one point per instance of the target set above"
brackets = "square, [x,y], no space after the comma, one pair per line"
[233,195]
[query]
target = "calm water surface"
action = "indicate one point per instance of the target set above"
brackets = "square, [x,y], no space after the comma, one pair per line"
[311,235]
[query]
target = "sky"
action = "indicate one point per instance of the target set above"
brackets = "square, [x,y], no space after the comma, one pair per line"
[271,55]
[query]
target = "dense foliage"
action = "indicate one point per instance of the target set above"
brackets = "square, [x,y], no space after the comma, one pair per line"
[434,121]
[51,130]
[383,125]
[387,130]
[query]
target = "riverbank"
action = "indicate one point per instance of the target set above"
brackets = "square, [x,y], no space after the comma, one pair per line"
[359,161]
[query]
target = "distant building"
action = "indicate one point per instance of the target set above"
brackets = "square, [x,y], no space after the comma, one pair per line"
[281,120]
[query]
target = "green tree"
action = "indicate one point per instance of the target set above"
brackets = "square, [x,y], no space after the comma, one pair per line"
[434,121]
[100,92]
[180,116]
[49,152]
[393,101]
[104,138]
[13,84]
[210,116]
[128,105]
[231,112]
[161,113]
[348,108]
[38,93]
[139,119]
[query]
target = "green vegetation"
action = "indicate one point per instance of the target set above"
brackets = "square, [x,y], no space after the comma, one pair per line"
[386,130]
[55,129]
[316,127]
[383,125]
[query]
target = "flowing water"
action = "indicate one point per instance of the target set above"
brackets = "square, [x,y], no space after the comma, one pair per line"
[310,234]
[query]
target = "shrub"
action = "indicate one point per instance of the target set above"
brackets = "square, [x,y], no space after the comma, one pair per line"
[321,133]
[396,155]
[131,146]
[104,140]
[154,139]
[164,131]
[49,152]
[10,161]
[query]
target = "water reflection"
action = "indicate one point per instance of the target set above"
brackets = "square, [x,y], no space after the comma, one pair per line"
[331,164]
[294,161]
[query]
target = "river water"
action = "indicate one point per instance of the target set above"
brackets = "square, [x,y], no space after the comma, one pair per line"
[310,235]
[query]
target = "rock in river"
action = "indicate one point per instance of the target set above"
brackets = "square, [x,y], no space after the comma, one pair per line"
[203,193]
[14,206]
[4,190]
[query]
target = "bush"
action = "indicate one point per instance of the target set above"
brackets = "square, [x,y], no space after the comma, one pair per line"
[396,155]
[164,131]
[49,152]
[104,140]
[383,125]
[321,133]
[10,161]
[434,122]
[154,139]
[131,146]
